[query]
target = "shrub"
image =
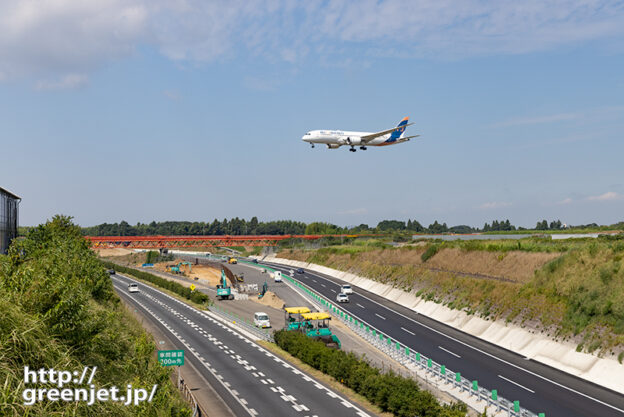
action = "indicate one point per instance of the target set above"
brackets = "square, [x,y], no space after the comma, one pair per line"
[197,297]
[431,250]
[59,311]
[390,392]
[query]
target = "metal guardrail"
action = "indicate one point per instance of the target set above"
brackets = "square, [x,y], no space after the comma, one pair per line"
[408,357]
[242,322]
[190,398]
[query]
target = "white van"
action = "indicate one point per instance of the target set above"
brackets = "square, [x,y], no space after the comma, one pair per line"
[133,288]
[277,276]
[262,320]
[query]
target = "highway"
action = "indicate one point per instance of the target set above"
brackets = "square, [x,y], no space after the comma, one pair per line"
[251,380]
[538,387]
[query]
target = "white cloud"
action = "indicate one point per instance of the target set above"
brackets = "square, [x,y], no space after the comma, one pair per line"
[53,38]
[173,95]
[69,81]
[61,38]
[608,196]
[565,201]
[494,205]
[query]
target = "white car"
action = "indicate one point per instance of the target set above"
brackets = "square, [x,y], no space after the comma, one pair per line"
[342,298]
[133,288]
[291,272]
[346,289]
[262,320]
[277,276]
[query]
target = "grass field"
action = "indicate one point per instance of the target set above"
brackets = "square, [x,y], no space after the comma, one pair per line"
[567,289]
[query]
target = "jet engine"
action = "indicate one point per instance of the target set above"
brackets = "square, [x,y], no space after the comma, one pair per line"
[355,140]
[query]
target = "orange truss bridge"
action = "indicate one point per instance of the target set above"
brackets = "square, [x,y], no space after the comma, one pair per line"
[172,242]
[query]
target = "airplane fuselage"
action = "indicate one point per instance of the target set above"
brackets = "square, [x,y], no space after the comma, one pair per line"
[343,137]
[334,139]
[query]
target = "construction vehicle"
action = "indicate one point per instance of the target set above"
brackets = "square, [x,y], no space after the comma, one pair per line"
[232,261]
[292,317]
[224,291]
[265,288]
[316,326]
[176,268]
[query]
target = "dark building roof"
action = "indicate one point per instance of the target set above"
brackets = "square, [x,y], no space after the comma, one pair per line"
[3,191]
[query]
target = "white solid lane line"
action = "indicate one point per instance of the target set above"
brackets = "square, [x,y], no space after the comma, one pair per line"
[515,383]
[468,345]
[359,305]
[405,330]
[448,351]
[381,317]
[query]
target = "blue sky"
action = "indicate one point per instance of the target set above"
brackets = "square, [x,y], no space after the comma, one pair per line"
[185,110]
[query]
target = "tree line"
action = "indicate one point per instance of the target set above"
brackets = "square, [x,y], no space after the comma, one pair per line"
[253,226]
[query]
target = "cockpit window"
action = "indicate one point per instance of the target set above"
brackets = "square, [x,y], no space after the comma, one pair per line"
[308,134]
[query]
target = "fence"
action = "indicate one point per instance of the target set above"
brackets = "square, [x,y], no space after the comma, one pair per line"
[190,398]
[412,359]
[247,325]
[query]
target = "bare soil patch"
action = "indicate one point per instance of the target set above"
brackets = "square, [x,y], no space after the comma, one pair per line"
[270,300]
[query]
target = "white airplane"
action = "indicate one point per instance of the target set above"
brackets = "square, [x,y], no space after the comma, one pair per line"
[334,139]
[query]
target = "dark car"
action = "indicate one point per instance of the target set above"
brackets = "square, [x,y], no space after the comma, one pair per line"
[254,261]
[111,271]
[300,271]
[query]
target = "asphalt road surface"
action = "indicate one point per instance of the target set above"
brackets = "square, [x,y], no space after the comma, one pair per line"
[251,380]
[538,387]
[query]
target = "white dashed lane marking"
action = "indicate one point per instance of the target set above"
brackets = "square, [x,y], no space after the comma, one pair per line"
[448,351]
[237,358]
[381,317]
[410,332]
[515,383]
[359,305]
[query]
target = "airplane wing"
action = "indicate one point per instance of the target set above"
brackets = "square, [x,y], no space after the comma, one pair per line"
[368,138]
[408,138]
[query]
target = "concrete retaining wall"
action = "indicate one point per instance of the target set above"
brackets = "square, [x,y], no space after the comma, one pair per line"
[560,355]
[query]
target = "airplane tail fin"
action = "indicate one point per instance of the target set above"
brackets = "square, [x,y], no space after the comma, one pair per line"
[401,131]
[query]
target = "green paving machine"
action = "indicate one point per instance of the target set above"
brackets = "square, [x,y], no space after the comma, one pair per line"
[293,319]
[224,291]
[316,326]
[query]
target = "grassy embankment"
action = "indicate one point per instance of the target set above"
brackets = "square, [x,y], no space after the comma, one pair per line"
[59,311]
[565,288]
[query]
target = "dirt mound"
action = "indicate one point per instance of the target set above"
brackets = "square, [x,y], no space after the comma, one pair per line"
[113,252]
[204,274]
[270,300]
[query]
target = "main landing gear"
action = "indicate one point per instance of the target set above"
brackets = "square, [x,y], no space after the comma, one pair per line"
[352,149]
[363,148]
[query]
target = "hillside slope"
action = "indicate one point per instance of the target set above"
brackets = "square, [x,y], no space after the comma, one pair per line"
[562,289]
